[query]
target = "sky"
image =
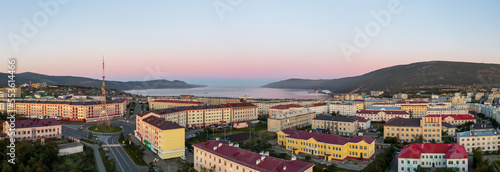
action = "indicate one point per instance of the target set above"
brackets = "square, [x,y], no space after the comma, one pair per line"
[247,42]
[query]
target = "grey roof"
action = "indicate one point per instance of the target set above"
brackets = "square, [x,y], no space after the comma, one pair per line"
[69,145]
[477,133]
[335,118]
[414,122]
[479,126]
[447,125]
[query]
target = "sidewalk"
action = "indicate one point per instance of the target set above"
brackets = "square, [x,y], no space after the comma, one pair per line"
[169,165]
[100,164]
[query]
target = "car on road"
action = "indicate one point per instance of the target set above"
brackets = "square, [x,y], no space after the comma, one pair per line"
[183,158]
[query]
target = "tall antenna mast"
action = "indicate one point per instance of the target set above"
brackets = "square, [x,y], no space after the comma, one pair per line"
[104,118]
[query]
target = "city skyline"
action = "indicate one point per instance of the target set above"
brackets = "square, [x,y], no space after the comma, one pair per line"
[255,43]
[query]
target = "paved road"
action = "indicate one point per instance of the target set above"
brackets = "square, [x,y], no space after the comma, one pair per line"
[123,162]
[98,159]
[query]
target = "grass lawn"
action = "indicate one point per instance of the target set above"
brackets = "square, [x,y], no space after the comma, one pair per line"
[78,161]
[136,160]
[105,129]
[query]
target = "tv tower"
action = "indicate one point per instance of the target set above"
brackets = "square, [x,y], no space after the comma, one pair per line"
[103,118]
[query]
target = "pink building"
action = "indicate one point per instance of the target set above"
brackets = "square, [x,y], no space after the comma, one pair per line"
[34,129]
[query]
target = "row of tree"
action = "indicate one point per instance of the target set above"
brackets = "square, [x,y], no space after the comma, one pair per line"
[29,156]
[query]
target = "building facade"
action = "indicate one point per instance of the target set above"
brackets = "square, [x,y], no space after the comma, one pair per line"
[345,109]
[284,108]
[243,112]
[447,111]
[407,130]
[428,155]
[319,108]
[300,118]
[226,157]
[338,125]
[164,138]
[164,104]
[480,136]
[382,115]
[417,109]
[456,119]
[328,146]
[363,123]
[34,129]
[68,110]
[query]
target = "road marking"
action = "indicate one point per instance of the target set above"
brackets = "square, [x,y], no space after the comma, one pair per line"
[112,145]
[122,155]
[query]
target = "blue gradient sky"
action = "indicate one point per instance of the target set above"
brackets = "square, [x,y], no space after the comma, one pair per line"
[259,41]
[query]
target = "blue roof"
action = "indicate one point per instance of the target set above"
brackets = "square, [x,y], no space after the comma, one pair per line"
[477,133]
[386,108]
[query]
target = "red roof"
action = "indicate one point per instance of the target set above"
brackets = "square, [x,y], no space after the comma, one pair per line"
[411,102]
[36,123]
[455,117]
[359,100]
[386,111]
[286,106]
[248,158]
[178,101]
[325,138]
[452,151]
[319,104]
[383,103]
[360,119]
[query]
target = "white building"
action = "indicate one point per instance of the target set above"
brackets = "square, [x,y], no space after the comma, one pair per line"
[429,155]
[319,108]
[481,135]
[447,111]
[345,109]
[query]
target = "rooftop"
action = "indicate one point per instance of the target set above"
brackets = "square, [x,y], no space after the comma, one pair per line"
[69,145]
[335,118]
[69,102]
[288,106]
[385,111]
[179,101]
[251,159]
[161,123]
[382,107]
[452,151]
[441,109]
[360,119]
[413,122]
[241,105]
[480,126]
[36,123]
[325,138]
[455,117]
[477,133]
[412,102]
[292,114]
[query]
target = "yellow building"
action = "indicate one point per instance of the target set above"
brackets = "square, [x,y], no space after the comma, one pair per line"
[164,138]
[164,104]
[300,118]
[328,146]
[417,109]
[408,130]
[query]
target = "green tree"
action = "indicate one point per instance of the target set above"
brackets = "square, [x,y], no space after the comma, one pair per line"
[6,167]
[420,169]
[433,141]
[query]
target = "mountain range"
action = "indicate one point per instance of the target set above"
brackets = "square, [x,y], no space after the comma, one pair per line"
[432,73]
[26,77]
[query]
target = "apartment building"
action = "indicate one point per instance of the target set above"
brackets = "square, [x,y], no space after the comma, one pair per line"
[299,118]
[34,129]
[385,105]
[284,108]
[370,102]
[319,108]
[164,138]
[456,119]
[417,109]
[480,136]
[69,110]
[447,111]
[345,109]
[408,130]
[263,106]
[195,116]
[243,112]
[442,105]
[164,104]
[426,155]
[198,116]
[382,115]
[328,146]
[363,123]
[225,157]
[339,125]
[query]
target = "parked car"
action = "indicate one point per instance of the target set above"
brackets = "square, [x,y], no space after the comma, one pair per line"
[183,158]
